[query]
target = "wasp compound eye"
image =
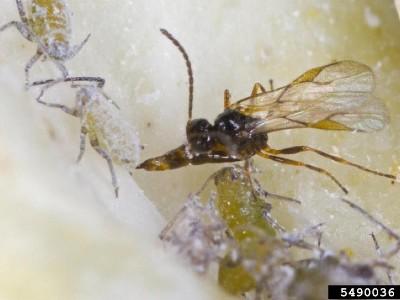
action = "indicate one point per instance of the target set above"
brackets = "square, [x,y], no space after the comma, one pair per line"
[199,135]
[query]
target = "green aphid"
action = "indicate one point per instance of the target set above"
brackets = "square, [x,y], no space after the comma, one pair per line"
[242,211]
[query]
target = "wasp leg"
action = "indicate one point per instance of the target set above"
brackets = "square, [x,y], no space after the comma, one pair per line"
[227,99]
[82,144]
[96,146]
[301,164]
[271,84]
[30,64]
[257,89]
[298,149]
[75,50]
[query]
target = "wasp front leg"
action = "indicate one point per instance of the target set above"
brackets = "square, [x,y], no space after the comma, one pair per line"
[227,99]
[257,89]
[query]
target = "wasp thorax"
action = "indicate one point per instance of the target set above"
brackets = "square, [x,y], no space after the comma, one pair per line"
[199,135]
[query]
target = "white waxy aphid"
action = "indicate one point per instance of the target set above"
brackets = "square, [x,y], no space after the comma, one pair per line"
[47,24]
[109,133]
[198,234]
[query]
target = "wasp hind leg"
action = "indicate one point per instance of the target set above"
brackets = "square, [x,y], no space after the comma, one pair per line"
[298,149]
[296,163]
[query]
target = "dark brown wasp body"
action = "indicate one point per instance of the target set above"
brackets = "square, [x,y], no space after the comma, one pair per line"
[337,96]
[229,139]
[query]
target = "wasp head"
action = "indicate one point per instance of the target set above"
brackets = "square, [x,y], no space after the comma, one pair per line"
[199,135]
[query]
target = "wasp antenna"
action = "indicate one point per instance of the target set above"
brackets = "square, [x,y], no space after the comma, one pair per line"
[188,66]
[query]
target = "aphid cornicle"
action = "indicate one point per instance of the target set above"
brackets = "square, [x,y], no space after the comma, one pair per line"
[109,133]
[337,96]
[47,23]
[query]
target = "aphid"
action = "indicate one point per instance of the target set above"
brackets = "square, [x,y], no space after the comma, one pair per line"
[109,133]
[337,96]
[47,23]
[310,281]
[198,233]
[235,230]
[227,225]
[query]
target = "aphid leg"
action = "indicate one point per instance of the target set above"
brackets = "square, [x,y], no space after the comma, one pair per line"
[298,149]
[256,187]
[109,99]
[61,67]
[21,27]
[164,233]
[227,99]
[379,251]
[208,180]
[257,89]
[30,64]
[21,11]
[301,164]
[82,144]
[389,231]
[273,222]
[298,238]
[266,194]
[75,50]
[71,111]
[96,146]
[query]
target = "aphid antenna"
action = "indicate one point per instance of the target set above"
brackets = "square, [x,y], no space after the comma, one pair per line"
[188,66]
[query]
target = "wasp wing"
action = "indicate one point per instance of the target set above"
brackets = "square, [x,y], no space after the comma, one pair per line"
[337,96]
